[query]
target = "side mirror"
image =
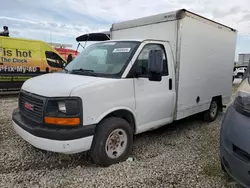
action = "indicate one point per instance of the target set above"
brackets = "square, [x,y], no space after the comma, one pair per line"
[155,65]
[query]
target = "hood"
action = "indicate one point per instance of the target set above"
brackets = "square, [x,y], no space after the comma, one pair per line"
[57,84]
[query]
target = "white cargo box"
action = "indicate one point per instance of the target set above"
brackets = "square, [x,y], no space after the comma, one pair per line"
[203,51]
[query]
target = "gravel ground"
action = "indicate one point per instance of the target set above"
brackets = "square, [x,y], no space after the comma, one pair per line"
[184,154]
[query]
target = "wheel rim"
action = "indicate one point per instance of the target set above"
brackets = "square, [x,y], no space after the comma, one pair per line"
[116,143]
[213,109]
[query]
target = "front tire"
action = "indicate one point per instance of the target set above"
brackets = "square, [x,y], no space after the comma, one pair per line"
[112,142]
[211,114]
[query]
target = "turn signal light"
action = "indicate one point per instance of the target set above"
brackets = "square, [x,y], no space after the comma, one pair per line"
[62,121]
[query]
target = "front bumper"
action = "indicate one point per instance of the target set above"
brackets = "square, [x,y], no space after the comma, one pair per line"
[234,146]
[61,140]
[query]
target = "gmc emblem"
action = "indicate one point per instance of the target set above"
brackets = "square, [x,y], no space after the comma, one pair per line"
[29,106]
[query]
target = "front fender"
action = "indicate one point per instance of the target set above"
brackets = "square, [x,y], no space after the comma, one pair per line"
[106,113]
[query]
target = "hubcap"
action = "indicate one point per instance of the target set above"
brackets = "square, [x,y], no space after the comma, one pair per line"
[116,143]
[213,109]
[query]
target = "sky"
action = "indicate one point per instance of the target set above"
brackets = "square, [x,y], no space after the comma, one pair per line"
[63,20]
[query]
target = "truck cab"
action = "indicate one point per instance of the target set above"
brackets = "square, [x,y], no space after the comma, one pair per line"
[108,82]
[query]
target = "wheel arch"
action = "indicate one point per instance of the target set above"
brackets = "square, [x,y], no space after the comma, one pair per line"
[124,113]
[218,99]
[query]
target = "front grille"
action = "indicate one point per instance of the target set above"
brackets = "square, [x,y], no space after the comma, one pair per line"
[31,107]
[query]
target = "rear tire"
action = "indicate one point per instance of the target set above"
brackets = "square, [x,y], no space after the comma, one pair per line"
[112,142]
[211,114]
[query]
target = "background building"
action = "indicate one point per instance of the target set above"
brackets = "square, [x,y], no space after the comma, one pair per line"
[243,59]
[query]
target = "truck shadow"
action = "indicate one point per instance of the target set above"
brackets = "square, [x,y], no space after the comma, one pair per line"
[173,136]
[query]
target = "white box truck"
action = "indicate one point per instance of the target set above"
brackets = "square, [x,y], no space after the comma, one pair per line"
[153,71]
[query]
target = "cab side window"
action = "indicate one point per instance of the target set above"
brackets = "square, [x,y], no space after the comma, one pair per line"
[142,60]
[54,60]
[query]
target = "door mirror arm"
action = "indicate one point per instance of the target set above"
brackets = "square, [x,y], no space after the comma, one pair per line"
[137,71]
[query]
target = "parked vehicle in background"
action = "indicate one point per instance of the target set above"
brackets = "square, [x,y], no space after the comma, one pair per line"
[92,37]
[21,59]
[235,135]
[64,50]
[125,86]
[240,71]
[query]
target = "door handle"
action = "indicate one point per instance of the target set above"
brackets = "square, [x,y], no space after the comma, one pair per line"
[170,84]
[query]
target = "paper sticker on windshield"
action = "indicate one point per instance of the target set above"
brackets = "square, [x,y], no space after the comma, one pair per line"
[109,43]
[118,50]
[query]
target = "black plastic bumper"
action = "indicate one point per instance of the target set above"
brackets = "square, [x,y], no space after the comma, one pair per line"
[54,133]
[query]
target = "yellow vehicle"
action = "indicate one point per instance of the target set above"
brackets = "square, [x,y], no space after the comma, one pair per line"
[21,59]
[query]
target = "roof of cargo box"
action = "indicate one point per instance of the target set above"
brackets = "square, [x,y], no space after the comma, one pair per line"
[169,16]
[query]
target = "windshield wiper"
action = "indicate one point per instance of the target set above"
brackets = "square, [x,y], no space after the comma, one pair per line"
[66,70]
[83,71]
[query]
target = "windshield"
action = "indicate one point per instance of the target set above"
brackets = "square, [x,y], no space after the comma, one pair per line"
[103,59]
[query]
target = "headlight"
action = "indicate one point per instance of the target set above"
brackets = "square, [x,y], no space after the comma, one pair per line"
[62,107]
[242,99]
[62,112]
